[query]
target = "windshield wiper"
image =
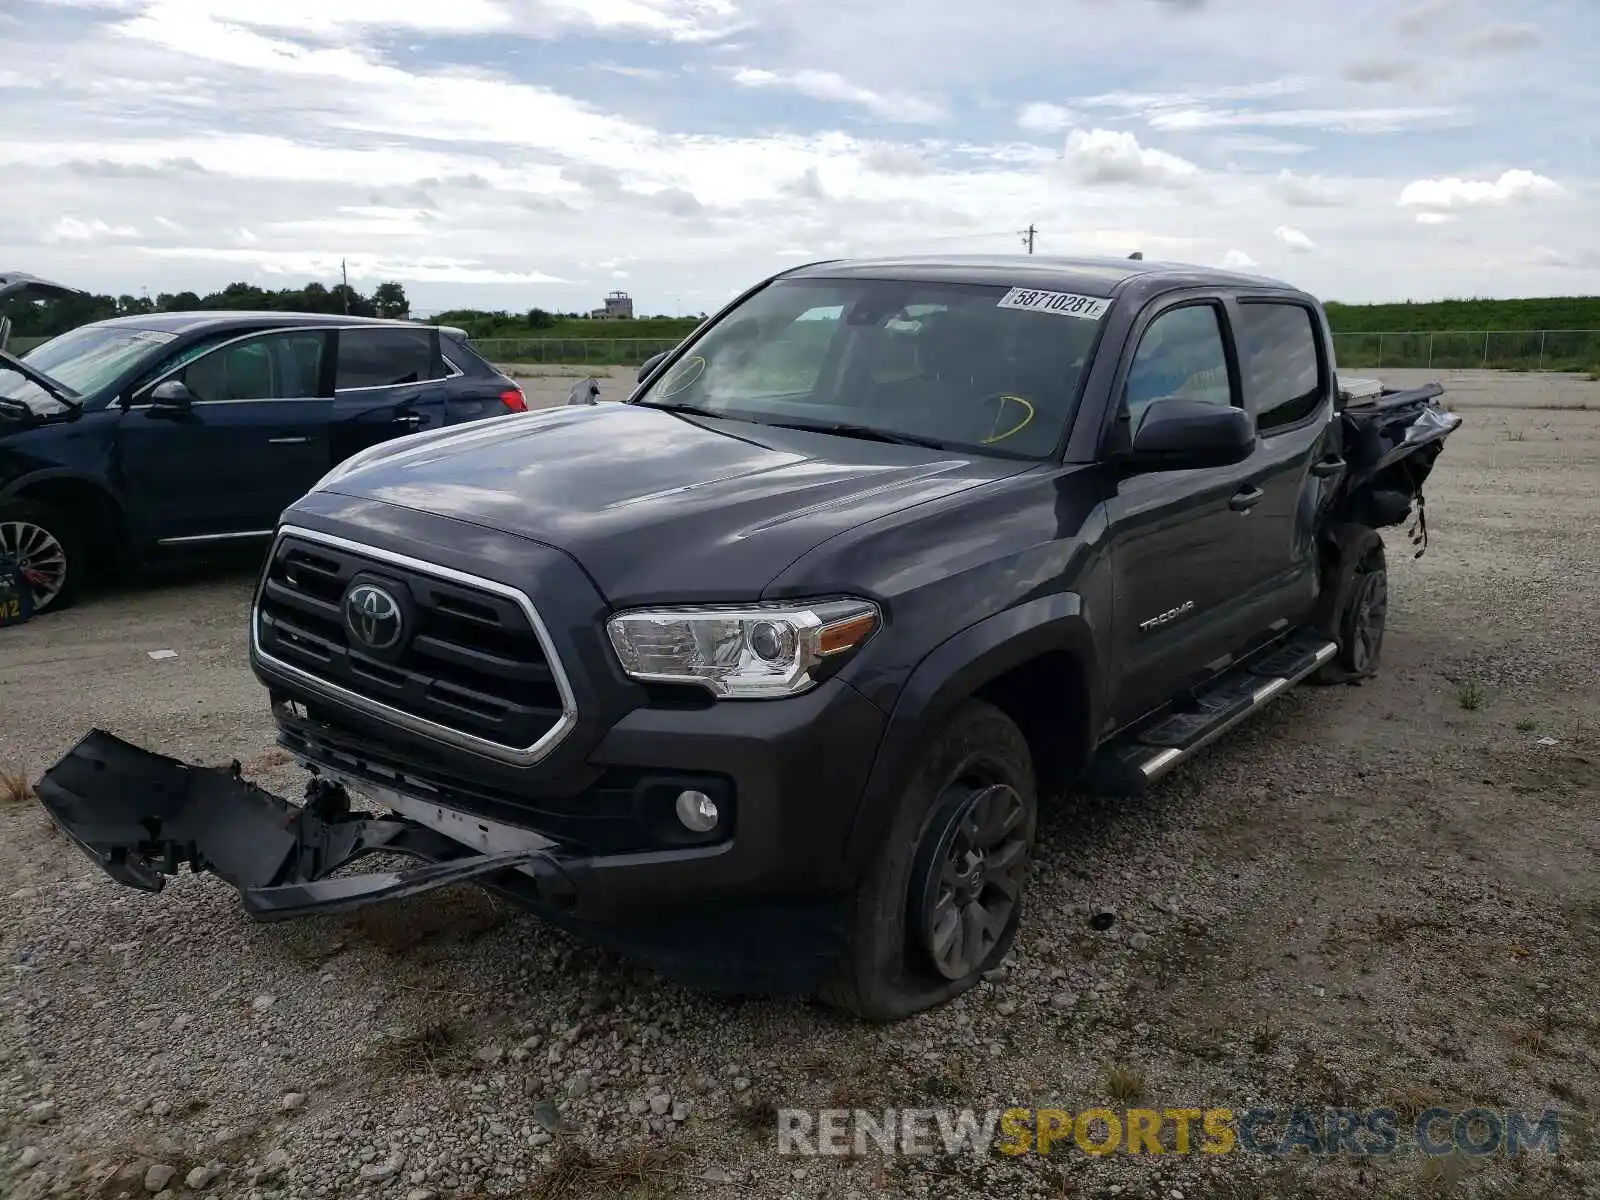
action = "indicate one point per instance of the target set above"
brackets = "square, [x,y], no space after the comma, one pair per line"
[60,391]
[864,432]
[680,408]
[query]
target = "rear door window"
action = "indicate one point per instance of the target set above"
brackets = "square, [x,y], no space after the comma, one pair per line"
[1278,350]
[376,358]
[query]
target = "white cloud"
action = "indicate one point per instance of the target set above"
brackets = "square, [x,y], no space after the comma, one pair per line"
[1380,70]
[1237,260]
[1435,218]
[1503,39]
[1333,120]
[1310,191]
[1045,118]
[1451,192]
[1544,256]
[1425,18]
[360,266]
[1109,156]
[75,229]
[1296,241]
[827,85]
[466,151]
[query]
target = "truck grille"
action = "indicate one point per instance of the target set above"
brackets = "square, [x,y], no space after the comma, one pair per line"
[469,662]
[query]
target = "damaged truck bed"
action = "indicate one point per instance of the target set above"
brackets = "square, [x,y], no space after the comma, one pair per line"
[766,694]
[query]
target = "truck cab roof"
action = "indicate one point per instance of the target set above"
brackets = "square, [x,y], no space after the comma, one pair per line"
[1086,275]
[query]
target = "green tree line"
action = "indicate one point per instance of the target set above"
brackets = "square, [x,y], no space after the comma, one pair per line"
[1555,312]
[46,318]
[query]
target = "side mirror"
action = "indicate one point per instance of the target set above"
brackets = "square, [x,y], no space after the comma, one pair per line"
[1177,434]
[173,395]
[585,391]
[650,364]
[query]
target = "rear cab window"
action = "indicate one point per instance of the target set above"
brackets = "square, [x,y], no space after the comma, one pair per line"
[387,357]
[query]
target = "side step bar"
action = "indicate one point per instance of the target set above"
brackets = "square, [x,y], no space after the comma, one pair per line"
[1139,757]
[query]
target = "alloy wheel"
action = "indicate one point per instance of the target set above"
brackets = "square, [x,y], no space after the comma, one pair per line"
[39,554]
[974,878]
[1367,616]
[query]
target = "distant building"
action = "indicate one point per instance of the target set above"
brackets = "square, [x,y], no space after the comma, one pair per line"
[618,304]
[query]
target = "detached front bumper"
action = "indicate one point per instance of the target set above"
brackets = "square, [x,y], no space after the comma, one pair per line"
[140,816]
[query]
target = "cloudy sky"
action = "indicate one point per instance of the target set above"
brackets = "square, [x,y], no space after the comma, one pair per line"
[511,153]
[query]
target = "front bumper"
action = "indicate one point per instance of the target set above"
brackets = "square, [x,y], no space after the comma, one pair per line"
[140,816]
[788,776]
[761,911]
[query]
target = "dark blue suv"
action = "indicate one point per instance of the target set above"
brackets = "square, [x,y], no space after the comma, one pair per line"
[129,436]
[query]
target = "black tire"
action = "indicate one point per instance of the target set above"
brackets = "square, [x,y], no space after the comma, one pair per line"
[20,520]
[977,765]
[1358,613]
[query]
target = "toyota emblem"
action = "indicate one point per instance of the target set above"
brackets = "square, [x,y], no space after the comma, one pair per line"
[373,617]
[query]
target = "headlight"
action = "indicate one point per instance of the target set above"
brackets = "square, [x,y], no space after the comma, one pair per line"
[757,651]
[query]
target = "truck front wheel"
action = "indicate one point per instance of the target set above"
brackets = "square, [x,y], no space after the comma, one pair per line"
[943,902]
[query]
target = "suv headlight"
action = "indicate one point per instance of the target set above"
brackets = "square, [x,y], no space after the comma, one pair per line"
[756,651]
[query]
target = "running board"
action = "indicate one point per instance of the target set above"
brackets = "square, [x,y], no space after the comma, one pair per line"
[1128,765]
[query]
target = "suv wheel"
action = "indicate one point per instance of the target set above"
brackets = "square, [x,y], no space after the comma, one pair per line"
[47,546]
[944,901]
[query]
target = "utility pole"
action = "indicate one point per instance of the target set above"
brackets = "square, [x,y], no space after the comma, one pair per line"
[1027,237]
[345,293]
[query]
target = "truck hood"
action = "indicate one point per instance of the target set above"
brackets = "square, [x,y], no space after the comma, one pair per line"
[659,507]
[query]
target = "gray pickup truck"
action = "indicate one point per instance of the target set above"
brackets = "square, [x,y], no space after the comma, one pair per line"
[762,675]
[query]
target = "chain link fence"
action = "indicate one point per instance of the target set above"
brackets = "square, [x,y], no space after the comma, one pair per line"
[1519,350]
[598,352]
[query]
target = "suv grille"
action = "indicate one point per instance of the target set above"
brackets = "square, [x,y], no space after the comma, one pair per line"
[453,657]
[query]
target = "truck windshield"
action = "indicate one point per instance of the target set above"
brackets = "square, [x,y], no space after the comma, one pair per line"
[963,366]
[82,360]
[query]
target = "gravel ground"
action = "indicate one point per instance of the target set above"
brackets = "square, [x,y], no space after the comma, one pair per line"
[1374,897]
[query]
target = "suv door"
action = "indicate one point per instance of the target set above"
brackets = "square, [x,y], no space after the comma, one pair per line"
[389,380]
[1181,542]
[1289,388]
[252,441]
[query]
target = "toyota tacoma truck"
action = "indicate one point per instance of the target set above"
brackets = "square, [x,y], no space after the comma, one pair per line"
[762,674]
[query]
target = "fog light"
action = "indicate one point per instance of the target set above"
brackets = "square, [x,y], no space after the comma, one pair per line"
[697,811]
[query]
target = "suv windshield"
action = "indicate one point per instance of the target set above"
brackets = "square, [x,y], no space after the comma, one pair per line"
[82,360]
[966,366]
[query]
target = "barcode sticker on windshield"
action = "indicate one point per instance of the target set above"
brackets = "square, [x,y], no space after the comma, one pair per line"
[1086,308]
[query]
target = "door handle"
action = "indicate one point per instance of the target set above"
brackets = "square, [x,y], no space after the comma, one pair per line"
[288,441]
[410,419]
[1245,498]
[1324,467]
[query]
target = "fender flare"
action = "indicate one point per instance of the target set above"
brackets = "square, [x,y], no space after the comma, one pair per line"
[952,672]
[14,489]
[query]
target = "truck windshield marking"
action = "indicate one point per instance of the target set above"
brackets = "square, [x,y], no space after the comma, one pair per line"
[1063,304]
